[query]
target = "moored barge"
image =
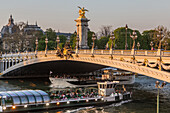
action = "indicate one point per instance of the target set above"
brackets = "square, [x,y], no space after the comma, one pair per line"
[31,100]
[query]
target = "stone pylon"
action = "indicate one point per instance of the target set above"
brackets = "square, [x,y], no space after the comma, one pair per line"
[82,31]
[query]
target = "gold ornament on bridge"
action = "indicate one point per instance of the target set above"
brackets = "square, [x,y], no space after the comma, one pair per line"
[82,12]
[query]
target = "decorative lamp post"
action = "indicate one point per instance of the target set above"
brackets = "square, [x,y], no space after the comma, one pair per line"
[166,44]
[126,45]
[58,41]
[138,45]
[36,49]
[112,37]
[160,36]
[68,39]
[151,44]
[159,87]
[77,45]
[46,42]
[93,38]
[133,36]
[57,48]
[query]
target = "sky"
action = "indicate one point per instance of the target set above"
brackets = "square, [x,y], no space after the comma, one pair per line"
[60,14]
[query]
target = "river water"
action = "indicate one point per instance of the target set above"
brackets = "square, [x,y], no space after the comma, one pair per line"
[144,96]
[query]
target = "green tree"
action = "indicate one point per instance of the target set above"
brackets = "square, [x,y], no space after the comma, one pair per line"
[147,37]
[120,35]
[73,40]
[63,40]
[51,35]
[89,39]
[101,43]
[41,45]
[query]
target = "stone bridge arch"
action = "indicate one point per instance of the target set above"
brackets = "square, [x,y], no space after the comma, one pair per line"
[100,62]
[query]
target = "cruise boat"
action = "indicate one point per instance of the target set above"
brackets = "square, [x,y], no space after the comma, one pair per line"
[31,100]
[62,82]
[106,74]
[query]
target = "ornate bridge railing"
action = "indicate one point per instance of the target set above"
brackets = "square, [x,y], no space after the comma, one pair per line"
[102,52]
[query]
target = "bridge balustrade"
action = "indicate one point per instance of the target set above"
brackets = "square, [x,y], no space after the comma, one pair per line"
[152,52]
[126,52]
[140,52]
[166,53]
[88,51]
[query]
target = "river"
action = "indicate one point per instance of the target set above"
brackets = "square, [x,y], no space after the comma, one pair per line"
[144,96]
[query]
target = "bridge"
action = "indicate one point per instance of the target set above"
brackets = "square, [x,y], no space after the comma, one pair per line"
[146,62]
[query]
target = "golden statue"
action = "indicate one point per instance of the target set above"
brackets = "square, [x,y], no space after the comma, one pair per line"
[82,12]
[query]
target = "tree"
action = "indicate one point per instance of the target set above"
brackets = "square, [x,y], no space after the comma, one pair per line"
[166,37]
[101,43]
[51,34]
[148,37]
[73,40]
[105,31]
[89,39]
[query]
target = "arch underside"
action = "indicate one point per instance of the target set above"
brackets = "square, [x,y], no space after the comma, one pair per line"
[42,67]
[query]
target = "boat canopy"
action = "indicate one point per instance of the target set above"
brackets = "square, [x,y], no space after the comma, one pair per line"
[24,97]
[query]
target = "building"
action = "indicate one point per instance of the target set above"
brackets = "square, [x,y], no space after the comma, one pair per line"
[10,28]
[64,34]
[18,37]
[30,29]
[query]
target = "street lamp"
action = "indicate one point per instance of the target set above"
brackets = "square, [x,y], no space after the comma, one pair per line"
[166,44]
[58,41]
[133,36]
[46,42]
[159,87]
[36,49]
[160,36]
[151,44]
[77,45]
[126,45]
[112,37]
[68,39]
[93,38]
[57,48]
[138,45]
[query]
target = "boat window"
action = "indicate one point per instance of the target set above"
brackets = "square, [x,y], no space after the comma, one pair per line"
[30,97]
[38,97]
[8,99]
[108,86]
[45,96]
[16,99]
[23,97]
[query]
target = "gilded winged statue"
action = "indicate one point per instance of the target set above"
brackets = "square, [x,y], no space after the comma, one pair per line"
[82,12]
